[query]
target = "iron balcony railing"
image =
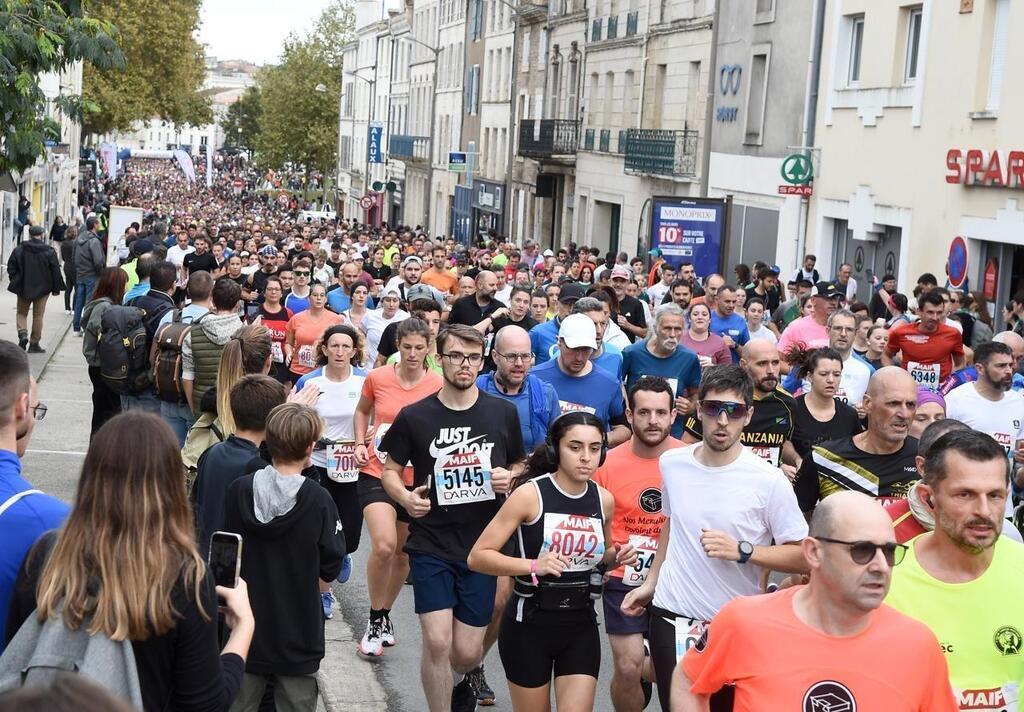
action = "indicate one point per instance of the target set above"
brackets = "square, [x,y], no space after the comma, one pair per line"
[544,138]
[661,152]
[409,148]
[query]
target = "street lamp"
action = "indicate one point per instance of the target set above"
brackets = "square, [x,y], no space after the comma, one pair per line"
[369,117]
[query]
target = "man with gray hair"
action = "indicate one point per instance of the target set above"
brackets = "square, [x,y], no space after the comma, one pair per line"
[661,355]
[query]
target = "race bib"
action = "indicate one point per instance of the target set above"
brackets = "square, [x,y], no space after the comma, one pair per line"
[581,539]
[646,547]
[276,352]
[924,374]
[688,632]
[767,453]
[305,356]
[378,435]
[705,361]
[995,699]
[569,407]
[463,478]
[341,463]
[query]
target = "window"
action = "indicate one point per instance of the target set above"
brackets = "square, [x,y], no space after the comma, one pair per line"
[913,44]
[998,61]
[524,49]
[764,11]
[758,89]
[856,46]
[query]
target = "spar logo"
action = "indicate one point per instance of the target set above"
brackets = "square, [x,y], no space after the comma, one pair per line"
[829,696]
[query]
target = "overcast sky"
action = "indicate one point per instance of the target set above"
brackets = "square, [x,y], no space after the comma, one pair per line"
[254,29]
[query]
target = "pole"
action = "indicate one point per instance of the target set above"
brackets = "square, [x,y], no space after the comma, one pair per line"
[430,157]
[209,166]
[513,129]
[709,107]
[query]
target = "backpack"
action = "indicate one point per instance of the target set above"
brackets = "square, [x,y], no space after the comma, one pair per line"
[167,359]
[122,350]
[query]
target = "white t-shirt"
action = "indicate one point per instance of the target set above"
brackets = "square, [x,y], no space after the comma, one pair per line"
[1001,419]
[657,293]
[337,406]
[374,324]
[176,256]
[749,500]
[763,332]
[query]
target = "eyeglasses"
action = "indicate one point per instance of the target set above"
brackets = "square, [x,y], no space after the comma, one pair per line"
[39,411]
[862,552]
[515,358]
[714,408]
[299,273]
[457,359]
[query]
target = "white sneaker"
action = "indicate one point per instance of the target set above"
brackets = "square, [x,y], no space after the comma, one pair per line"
[387,634]
[371,645]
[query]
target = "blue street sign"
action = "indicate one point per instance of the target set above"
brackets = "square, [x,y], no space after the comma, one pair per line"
[374,138]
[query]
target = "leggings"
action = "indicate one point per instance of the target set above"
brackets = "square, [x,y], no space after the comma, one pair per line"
[346,499]
[663,655]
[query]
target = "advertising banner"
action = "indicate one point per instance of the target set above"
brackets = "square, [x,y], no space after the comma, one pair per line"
[690,230]
[374,136]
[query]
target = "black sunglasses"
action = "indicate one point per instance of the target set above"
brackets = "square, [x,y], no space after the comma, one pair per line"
[714,408]
[862,552]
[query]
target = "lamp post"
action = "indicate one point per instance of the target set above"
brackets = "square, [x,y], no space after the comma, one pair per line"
[369,117]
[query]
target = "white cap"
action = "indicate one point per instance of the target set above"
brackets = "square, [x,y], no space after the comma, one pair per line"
[549,253]
[578,331]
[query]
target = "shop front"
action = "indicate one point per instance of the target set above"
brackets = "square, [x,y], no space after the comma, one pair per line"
[488,207]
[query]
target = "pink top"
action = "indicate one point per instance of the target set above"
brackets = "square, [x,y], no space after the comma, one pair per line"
[713,348]
[805,331]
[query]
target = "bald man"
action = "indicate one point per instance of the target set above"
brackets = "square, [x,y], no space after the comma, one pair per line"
[878,462]
[970,374]
[820,646]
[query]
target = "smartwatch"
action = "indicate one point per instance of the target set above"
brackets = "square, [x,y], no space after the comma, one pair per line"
[746,551]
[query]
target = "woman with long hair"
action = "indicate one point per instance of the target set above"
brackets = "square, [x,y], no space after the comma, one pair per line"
[109,292]
[877,339]
[125,565]
[710,348]
[275,316]
[586,274]
[561,520]
[359,295]
[977,307]
[333,462]
[819,414]
[386,390]
[304,329]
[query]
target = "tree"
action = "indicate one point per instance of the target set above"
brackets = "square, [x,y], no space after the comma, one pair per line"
[36,37]
[300,96]
[164,72]
[241,123]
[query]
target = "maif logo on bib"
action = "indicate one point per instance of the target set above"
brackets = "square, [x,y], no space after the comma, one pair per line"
[462,467]
[579,538]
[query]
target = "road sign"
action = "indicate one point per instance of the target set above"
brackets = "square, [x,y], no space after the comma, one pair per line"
[957,262]
[991,278]
[366,202]
[239,183]
[797,169]
[457,161]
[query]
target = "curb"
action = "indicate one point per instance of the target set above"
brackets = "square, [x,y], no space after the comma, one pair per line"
[346,680]
[37,363]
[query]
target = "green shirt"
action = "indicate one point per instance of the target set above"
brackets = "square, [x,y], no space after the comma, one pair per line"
[129,268]
[432,363]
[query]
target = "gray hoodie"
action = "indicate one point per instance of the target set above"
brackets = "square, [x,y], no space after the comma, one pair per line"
[89,257]
[218,329]
[273,494]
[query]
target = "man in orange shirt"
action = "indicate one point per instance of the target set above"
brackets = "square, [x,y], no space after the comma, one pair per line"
[821,647]
[631,474]
[439,276]
[930,350]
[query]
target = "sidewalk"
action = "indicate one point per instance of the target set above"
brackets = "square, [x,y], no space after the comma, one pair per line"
[347,681]
[55,324]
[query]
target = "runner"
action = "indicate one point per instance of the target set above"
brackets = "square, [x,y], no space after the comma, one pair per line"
[931,407]
[724,506]
[818,414]
[710,348]
[304,329]
[385,391]
[962,579]
[465,447]
[928,349]
[564,534]
[273,315]
[631,475]
[988,404]
[819,647]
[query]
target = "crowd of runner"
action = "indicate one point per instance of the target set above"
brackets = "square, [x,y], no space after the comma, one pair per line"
[728,474]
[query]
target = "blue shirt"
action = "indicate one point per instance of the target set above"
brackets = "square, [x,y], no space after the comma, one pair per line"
[610,359]
[734,326]
[533,422]
[137,291]
[544,340]
[296,303]
[969,375]
[598,392]
[681,370]
[188,314]
[339,301]
[20,526]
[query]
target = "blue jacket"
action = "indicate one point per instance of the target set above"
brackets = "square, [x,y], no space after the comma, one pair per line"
[20,526]
[544,340]
[537,405]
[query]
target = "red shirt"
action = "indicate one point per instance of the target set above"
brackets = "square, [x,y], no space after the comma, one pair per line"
[904,523]
[924,352]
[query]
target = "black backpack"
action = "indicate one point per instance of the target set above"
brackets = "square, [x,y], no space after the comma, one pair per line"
[167,359]
[122,350]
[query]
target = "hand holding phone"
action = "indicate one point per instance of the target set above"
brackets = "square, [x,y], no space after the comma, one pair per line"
[225,558]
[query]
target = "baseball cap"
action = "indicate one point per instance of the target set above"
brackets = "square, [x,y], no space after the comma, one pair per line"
[572,292]
[268,251]
[412,258]
[621,272]
[421,291]
[827,290]
[578,331]
[391,292]
[549,253]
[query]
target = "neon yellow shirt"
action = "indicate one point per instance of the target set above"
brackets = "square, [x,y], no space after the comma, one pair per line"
[389,254]
[432,362]
[979,624]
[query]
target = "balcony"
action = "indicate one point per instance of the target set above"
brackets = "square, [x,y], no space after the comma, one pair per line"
[411,149]
[553,137]
[531,10]
[661,152]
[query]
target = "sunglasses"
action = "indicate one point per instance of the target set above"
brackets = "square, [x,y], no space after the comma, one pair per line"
[862,552]
[714,408]
[300,273]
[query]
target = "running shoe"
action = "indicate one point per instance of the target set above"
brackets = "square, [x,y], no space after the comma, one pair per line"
[346,569]
[327,598]
[463,698]
[477,681]
[387,632]
[371,644]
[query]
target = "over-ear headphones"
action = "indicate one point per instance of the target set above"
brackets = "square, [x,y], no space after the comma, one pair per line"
[583,418]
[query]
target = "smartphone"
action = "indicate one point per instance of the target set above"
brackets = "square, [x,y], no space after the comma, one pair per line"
[225,558]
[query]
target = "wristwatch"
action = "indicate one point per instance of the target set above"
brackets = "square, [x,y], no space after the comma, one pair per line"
[746,551]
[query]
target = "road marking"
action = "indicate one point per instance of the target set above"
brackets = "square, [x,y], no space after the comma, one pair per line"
[77,453]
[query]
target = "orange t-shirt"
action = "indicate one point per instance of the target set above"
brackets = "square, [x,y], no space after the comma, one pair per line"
[307,332]
[777,662]
[389,396]
[444,281]
[922,352]
[635,484]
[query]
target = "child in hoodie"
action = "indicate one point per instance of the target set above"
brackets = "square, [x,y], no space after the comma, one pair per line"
[292,539]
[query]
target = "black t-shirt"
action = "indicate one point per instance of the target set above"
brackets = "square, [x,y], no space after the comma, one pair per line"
[770,426]
[633,310]
[195,262]
[770,299]
[837,465]
[259,278]
[383,272]
[388,340]
[808,431]
[453,452]
[466,311]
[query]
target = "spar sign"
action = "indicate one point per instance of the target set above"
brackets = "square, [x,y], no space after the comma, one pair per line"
[690,230]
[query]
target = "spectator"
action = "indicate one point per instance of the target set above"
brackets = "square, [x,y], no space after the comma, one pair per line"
[109,292]
[200,352]
[89,263]
[34,274]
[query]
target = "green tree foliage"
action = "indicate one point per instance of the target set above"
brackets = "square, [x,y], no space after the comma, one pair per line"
[39,36]
[245,114]
[163,75]
[300,123]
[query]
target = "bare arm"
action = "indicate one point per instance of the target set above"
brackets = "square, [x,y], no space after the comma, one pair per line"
[486,556]
[618,435]
[689,438]
[682,699]
[635,602]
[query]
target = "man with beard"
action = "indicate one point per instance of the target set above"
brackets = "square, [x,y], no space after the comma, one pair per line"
[464,447]
[630,474]
[660,355]
[440,275]
[631,318]
[680,293]
[723,507]
[769,433]
[962,579]
[480,309]
[339,299]
[878,462]
[412,270]
[988,405]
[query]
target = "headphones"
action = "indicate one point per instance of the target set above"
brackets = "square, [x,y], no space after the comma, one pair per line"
[584,418]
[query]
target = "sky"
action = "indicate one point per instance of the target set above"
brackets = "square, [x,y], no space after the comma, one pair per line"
[254,29]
